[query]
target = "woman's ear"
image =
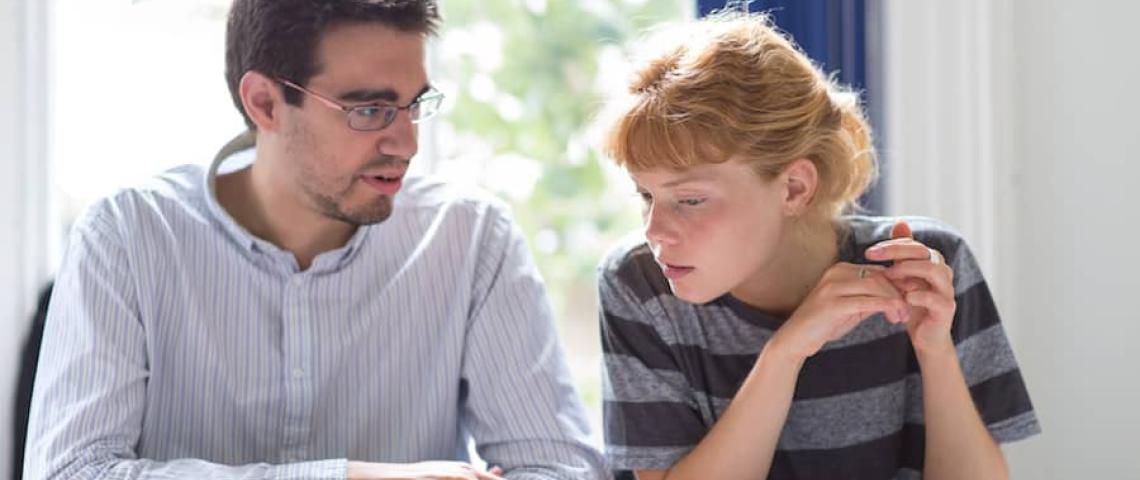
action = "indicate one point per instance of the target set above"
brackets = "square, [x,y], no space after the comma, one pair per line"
[800,180]
[260,97]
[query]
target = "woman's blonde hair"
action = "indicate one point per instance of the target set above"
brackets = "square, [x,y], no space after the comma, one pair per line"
[731,85]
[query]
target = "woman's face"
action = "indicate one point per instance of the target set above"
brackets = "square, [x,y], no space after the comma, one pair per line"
[712,227]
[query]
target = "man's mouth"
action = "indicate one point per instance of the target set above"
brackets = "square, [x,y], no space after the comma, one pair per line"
[385,184]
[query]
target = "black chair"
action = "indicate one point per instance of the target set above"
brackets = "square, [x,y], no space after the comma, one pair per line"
[29,356]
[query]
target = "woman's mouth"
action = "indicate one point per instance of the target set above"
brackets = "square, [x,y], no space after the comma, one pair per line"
[674,272]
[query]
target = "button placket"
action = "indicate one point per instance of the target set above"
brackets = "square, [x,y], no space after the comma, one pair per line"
[297,350]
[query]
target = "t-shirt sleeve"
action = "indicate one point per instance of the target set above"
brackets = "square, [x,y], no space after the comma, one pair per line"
[651,417]
[984,351]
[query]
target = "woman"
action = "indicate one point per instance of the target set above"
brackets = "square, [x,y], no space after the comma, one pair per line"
[756,331]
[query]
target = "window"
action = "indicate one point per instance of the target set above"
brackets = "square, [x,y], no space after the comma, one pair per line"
[137,88]
[527,82]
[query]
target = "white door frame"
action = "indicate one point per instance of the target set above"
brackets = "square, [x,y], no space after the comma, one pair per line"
[26,221]
[949,140]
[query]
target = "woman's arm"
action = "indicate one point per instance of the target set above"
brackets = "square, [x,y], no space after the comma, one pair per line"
[957,443]
[743,442]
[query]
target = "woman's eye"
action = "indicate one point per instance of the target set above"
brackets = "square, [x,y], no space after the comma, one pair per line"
[691,202]
[645,197]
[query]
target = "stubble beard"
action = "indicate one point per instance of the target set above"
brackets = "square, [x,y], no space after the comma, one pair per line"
[370,213]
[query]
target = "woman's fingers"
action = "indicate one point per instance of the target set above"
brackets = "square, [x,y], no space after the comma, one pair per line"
[936,303]
[847,279]
[939,277]
[864,305]
[851,280]
[901,230]
[898,250]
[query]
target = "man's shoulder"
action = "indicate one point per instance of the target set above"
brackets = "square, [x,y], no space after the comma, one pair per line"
[429,192]
[176,192]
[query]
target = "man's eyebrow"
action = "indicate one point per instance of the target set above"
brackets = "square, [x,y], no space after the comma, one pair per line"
[383,95]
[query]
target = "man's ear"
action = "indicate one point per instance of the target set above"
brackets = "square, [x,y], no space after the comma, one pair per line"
[261,97]
[800,180]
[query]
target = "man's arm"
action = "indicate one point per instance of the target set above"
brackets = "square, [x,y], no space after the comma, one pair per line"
[521,407]
[90,389]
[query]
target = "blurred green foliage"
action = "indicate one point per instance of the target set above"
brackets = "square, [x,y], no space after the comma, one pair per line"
[530,75]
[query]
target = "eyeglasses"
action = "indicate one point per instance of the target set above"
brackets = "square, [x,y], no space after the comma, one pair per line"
[373,117]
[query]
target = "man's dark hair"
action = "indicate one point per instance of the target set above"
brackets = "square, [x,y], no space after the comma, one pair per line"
[279,37]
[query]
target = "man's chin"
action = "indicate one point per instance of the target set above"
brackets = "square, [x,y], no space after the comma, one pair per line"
[368,215]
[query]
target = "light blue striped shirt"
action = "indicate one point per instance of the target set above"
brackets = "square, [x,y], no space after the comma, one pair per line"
[178,345]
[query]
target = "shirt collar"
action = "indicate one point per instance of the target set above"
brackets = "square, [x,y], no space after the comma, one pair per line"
[239,145]
[242,145]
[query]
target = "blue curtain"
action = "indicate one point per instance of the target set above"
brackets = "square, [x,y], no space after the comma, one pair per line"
[831,32]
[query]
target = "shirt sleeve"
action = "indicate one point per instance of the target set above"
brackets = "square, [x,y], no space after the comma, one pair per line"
[90,388]
[651,415]
[984,352]
[520,403]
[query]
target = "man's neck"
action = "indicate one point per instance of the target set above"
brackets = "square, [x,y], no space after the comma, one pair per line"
[782,285]
[255,200]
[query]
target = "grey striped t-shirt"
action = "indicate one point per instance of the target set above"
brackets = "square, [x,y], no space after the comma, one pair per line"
[673,367]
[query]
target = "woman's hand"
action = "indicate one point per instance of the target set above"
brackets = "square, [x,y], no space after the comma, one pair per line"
[845,295]
[927,283]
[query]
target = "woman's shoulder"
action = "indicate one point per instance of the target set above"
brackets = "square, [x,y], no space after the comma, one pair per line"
[868,230]
[865,231]
[630,263]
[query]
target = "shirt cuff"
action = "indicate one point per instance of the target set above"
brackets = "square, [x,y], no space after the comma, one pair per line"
[336,469]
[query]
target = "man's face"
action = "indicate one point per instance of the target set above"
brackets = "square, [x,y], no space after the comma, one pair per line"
[341,173]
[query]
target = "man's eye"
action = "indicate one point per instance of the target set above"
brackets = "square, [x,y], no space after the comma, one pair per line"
[691,202]
[645,197]
[370,111]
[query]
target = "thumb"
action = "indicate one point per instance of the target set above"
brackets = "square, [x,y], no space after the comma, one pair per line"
[901,230]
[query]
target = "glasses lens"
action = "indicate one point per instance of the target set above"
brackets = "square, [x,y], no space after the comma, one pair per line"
[372,117]
[426,107]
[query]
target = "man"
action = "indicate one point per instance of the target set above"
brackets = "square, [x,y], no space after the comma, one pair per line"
[301,309]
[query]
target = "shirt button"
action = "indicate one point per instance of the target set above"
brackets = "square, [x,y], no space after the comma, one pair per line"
[298,281]
[298,373]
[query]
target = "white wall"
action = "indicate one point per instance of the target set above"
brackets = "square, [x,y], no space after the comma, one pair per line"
[1036,103]
[1077,111]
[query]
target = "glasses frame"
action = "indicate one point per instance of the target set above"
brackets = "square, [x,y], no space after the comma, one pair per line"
[390,112]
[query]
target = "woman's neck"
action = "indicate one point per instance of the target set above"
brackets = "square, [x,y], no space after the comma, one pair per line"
[802,257]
